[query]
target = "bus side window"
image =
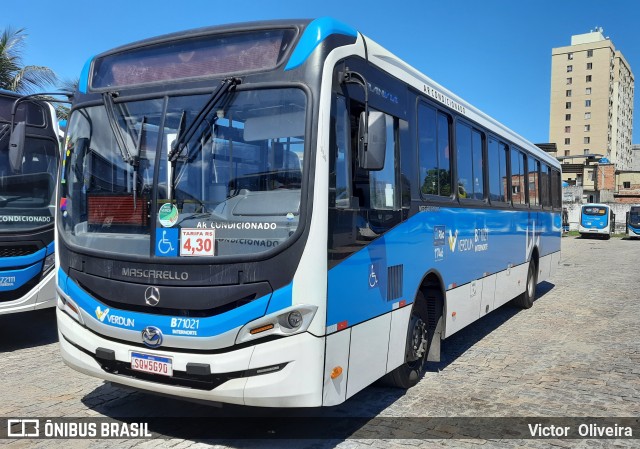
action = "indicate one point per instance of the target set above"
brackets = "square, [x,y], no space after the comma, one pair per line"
[545,185]
[534,182]
[518,189]
[433,148]
[469,159]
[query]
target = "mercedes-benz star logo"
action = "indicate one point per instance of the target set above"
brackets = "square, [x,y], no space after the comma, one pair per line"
[152,296]
[152,336]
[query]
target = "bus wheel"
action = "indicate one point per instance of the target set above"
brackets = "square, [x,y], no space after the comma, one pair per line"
[525,300]
[418,340]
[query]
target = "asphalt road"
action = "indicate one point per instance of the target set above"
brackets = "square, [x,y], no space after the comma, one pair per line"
[576,353]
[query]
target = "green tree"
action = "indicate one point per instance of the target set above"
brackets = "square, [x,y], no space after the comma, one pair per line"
[14,76]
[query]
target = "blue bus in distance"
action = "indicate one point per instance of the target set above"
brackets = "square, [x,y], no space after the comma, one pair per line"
[633,222]
[596,219]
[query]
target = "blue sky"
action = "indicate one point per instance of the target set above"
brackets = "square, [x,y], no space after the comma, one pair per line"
[495,54]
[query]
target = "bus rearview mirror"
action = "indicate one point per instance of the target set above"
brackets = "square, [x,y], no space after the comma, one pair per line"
[16,146]
[372,140]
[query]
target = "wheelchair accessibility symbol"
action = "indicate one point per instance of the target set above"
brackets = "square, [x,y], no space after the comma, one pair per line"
[167,242]
[373,277]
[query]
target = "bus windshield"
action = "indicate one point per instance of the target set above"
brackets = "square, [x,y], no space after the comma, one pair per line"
[634,217]
[235,184]
[27,185]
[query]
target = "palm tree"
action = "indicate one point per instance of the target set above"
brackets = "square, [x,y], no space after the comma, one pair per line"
[13,75]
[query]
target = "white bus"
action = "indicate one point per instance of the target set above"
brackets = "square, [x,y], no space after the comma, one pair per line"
[29,156]
[281,213]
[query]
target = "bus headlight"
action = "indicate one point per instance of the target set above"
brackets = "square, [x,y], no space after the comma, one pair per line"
[69,307]
[49,262]
[289,321]
[295,319]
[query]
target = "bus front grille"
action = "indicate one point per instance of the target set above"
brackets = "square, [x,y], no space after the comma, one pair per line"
[13,250]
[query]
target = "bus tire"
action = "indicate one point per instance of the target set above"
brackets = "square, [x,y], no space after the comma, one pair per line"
[525,300]
[419,339]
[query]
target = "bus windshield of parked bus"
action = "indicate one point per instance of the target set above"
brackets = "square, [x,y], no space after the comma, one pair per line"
[27,176]
[237,175]
[594,210]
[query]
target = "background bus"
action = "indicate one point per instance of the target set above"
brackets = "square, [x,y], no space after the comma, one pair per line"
[633,222]
[596,219]
[275,214]
[29,156]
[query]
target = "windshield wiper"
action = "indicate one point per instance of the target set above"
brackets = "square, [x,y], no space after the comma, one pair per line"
[184,135]
[117,132]
[136,160]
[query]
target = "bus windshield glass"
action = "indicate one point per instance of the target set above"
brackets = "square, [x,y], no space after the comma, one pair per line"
[27,185]
[234,187]
[634,217]
[594,210]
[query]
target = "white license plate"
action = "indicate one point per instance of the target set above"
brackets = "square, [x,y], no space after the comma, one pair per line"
[153,364]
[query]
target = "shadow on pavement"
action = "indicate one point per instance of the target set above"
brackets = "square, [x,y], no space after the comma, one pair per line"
[461,341]
[28,329]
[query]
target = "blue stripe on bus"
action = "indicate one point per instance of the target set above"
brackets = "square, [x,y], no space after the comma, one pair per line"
[634,230]
[460,258]
[317,31]
[207,326]
[83,82]
[51,247]
[13,279]
[21,261]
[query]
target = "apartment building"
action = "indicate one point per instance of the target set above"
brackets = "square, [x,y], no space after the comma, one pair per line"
[591,113]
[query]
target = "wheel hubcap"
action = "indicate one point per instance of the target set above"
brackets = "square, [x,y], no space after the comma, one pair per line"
[418,342]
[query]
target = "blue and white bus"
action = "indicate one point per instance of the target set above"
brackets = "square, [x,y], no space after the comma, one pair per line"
[281,213]
[29,156]
[633,222]
[596,219]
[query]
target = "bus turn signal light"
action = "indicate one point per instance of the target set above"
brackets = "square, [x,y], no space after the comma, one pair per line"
[257,330]
[336,372]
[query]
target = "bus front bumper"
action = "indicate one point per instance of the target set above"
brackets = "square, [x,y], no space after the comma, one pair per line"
[41,296]
[286,372]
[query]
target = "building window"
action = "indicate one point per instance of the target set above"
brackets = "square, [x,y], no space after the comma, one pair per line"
[586,151]
[587,128]
[567,116]
[568,92]
[569,68]
[567,129]
[567,105]
[587,103]
[588,91]
[588,78]
[567,152]
[587,115]
[569,56]
[590,175]
[589,53]
[569,80]
[587,140]
[567,141]
[626,184]
[589,65]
